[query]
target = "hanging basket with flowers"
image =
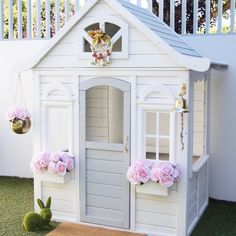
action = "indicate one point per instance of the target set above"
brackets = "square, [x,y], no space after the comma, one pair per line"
[101,47]
[18,116]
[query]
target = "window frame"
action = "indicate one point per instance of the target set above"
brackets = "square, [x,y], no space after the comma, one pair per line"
[123,32]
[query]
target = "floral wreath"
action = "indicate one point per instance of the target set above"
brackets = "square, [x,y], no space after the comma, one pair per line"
[101,47]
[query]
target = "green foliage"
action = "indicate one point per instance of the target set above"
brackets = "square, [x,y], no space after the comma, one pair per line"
[34,18]
[16,198]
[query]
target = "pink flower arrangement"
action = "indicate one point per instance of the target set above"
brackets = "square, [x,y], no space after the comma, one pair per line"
[54,162]
[17,113]
[162,172]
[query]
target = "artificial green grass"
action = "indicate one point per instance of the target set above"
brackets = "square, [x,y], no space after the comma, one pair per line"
[16,198]
[219,219]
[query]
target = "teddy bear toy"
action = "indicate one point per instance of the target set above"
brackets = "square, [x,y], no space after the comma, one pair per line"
[35,222]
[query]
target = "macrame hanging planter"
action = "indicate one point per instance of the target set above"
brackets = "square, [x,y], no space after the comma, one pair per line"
[181,108]
[101,47]
[18,115]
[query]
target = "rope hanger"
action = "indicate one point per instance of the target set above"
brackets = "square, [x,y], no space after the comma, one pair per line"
[19,93]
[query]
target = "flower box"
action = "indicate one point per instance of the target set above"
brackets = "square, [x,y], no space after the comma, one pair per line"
[152,188]
[54,178]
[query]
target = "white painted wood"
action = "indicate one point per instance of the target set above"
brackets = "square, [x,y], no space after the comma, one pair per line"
[220,16]
[67,10]
[19,19]
[29,19]
[232,16]
[183,15]
[48,20]
[57,15]
[77,5]
[152,188]
[157,135]
[195,63]
[161,9]
[195,16]
[45,176]
[208,16]
[172,14]
[10,19]
[172,140]
[1,20]
[200,163]
[38,19]
[150,5]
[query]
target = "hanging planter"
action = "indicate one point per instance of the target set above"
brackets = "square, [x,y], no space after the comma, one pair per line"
[19,116]
[101,47]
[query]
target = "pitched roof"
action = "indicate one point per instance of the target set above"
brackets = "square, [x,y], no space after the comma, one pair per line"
[154,29]
[161,29]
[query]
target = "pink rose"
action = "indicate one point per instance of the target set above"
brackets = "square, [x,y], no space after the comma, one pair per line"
[21,113]
[35,165]
[64,156]
[55,157]
[61,168]
[176,173]
[143,173]
[167,168]
[44,159]
[132,176]
[69,162]
[10,113]
[154,175]
[166,180]
[52,169]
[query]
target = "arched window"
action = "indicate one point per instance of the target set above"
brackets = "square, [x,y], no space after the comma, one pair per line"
[112,26]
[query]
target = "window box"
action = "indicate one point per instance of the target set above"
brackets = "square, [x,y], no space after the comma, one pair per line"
[152,188]
[54,178]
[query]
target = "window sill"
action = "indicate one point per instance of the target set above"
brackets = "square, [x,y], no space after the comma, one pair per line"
[200,163]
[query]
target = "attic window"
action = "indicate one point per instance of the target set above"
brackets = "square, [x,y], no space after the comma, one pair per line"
[110,29]
[113,27]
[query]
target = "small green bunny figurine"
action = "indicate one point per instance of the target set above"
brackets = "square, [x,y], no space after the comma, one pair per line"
[34,221]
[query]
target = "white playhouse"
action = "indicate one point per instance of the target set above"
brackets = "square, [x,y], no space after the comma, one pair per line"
[109,109]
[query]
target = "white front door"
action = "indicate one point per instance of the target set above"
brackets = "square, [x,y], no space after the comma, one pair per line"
[104,152]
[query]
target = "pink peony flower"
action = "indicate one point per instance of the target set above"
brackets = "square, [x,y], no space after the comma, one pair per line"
[176,174]
[10,113]
[143,172]
[154,175]
[139,172]
[166,180]
[35,165]
[132,176]
[52,169]
[64,156]
[61,168]
[69,162]
[17,112]
[167,168]
[44,159]
[21,113]
[55,157]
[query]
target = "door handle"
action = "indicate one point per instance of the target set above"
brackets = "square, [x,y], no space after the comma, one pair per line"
[126,149]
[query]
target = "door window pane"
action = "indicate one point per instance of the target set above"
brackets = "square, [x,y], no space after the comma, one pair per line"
[104,114]
[150,123]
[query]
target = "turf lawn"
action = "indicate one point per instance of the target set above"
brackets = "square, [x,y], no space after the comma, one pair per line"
[16,198]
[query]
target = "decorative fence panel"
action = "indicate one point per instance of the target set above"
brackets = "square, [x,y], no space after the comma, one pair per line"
[41,19]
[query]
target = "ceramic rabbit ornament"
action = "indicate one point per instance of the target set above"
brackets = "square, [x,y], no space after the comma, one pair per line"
[34,221]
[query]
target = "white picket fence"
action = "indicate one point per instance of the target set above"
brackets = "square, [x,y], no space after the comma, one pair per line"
[38,19]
